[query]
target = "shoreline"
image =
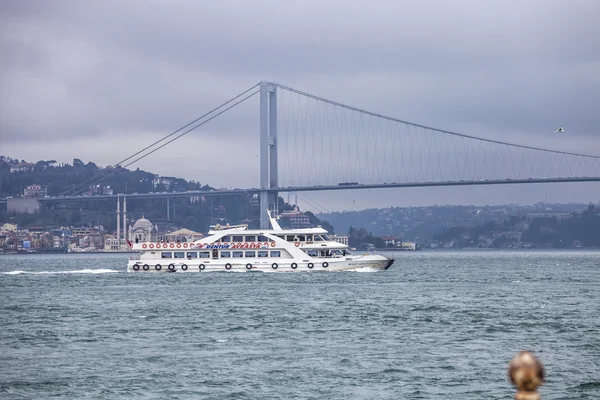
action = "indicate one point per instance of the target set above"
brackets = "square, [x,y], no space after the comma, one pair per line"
[66,252]
[419,251]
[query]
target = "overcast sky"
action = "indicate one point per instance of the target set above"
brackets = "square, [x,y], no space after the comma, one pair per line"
[98,80]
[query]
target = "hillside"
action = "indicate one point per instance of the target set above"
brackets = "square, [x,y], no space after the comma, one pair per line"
[539,225]
[78,179]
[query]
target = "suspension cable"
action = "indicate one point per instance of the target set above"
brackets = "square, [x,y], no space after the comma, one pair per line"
[86,182]
[114,171]
[98,177]
[335,103]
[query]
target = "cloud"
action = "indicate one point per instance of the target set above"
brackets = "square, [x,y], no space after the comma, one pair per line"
[78,77]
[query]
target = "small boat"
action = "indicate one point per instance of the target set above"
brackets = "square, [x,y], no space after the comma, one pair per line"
[238,249]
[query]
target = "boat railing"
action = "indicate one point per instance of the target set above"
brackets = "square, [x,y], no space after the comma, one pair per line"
[219,227]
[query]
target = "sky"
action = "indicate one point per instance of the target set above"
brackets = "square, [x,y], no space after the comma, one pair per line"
[99,80]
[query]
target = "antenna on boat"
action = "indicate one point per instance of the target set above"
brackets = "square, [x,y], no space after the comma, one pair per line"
[273,221]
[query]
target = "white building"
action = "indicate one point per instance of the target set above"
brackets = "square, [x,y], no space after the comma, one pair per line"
[184,235]
[35,191]
[143,231]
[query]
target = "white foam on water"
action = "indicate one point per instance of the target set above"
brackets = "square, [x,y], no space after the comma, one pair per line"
[78,271]
[221,340]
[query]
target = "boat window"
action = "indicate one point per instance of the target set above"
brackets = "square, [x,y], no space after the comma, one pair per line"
[167,254]
[312,253]
[226,239]
[225,254]
[251,254]
[179,254]
[290,238]
[262,238]
[237,238]
[250,238]
[302,238]
[346,253]
[326,237]
[309,238]
[275,253]
[206,254]
[192,254]
[263,253]
[318,238]
[238,254]
[337,253]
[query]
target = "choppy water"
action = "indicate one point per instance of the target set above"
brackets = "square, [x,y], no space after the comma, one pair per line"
[437,325]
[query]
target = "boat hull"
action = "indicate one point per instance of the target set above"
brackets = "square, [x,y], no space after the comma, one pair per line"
[370,262]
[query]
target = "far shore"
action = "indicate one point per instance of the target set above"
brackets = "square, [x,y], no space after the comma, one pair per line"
[473,249]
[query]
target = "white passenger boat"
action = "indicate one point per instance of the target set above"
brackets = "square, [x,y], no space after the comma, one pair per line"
[236,248]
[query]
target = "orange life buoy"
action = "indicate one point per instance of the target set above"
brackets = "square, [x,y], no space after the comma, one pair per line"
[165,245]
[185,245]
[144,246]
[297,244]
[172,245]
[178,245]
[151,246]
[272,244]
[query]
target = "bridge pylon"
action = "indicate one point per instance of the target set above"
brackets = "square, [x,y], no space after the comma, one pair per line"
[268,150]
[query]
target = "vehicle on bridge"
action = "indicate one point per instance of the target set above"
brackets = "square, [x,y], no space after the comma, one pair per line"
[238,249]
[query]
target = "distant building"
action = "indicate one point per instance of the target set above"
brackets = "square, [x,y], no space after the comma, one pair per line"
[21,167]
[143,231]
[35,191]
[407,245]
[100,190]
[111,243]
[162,180]
[79,232]
[58,242]
[184,235]
[557,215]
[390,240]
[295,219]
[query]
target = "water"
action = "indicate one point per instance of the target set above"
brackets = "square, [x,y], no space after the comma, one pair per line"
[437,325]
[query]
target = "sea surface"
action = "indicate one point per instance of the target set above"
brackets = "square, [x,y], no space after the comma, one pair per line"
[436,325]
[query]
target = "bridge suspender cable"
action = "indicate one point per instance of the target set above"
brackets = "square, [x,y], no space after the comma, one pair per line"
[313,203]
[337,104]
[99,177]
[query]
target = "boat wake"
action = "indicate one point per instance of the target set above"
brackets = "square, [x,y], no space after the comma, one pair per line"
[78,271]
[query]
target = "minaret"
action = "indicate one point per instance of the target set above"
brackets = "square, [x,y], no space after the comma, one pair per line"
[125,218]
[118,224]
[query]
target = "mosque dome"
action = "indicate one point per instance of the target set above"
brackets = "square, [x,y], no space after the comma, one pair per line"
[142,223]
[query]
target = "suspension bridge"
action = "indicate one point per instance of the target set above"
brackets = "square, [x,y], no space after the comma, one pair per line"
[309,143]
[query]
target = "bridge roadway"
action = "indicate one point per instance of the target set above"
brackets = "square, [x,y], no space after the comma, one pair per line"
[229,192]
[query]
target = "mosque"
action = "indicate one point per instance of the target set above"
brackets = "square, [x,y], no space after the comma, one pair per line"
[143,231]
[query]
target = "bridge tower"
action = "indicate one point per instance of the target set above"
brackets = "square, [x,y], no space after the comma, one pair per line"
[268,150]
